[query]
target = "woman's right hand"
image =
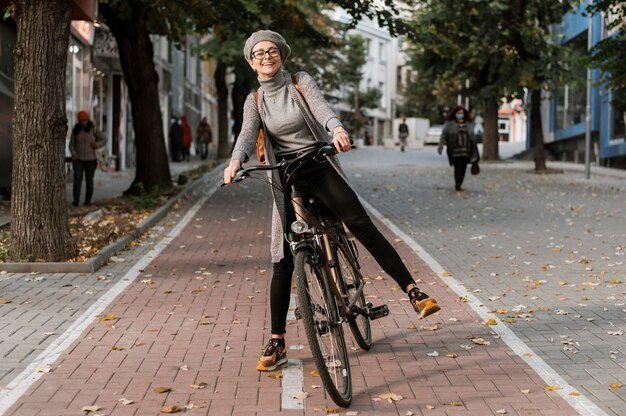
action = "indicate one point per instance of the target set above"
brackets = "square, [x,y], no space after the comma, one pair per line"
[231,169]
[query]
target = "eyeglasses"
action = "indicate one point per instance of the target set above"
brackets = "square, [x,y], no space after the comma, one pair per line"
[260,54]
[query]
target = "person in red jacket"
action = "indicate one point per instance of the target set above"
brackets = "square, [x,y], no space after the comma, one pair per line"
[187,138]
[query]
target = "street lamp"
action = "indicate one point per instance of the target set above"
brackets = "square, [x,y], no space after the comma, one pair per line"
[588,106]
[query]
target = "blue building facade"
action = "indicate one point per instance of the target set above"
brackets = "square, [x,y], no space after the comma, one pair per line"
[563,113]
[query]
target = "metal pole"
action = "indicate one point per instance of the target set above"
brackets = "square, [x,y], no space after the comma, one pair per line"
[588,107]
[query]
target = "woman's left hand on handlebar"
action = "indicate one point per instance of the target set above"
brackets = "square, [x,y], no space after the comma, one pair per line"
[231,169]
[341,140]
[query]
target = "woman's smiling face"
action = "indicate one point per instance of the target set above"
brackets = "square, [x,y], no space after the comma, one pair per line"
[267,66]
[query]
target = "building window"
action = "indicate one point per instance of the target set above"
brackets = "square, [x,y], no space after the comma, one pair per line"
[618,114]
[571,98]
[382,52]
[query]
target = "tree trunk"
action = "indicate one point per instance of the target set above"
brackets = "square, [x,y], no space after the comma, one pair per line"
[241,89]
[137,58]
[539,153]
[490,135]
[223,149]
[39,224]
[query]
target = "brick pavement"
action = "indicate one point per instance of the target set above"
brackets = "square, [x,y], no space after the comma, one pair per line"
[198,314]
[554,244]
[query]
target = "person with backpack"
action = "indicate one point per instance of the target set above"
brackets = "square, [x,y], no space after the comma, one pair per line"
[292,112]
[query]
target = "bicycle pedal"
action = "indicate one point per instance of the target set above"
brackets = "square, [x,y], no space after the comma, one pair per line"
[375,312]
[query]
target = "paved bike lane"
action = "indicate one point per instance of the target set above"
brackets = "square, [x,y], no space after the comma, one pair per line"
[195,318]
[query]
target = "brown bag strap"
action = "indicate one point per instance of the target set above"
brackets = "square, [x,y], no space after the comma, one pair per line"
[294,81]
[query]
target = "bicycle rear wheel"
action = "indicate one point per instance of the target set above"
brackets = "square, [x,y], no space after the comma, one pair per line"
[323,328]
[359,323]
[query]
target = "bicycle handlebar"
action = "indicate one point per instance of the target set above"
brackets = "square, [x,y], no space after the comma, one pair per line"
[308,152]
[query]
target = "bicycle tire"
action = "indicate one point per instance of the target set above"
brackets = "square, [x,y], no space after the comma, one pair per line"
[360,325]
[326,339]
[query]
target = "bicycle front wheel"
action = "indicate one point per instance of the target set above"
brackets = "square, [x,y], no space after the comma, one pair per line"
[359,323]
[323,328]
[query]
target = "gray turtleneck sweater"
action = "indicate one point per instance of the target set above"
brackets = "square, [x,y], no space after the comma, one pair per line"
[292,123]
[283,120]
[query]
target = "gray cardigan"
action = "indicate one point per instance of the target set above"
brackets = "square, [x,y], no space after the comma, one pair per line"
[317,114]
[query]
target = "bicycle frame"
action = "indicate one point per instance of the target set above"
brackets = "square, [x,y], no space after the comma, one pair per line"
[317,235]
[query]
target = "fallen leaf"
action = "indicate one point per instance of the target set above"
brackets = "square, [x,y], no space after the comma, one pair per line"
[429,407]
[184,368]
[162,389]
[574,393]
[431,327]
[109,317]
[391,396]
[116,348]
[174,408]
[300,396]
[275,375]
[525,391]
[616,385]
[456,403]
[501,412]
[314,373]
[480,341]
[491,322]
[4,301]
[452,355]
[44,370]
[199,386]
[615,333]
[125,401]
[550,388]
[93,408]
[433,354]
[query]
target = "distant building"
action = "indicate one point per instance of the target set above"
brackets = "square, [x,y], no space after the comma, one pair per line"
[378,72]
[563,111]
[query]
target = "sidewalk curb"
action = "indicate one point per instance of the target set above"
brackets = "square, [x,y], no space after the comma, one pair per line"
[102,257]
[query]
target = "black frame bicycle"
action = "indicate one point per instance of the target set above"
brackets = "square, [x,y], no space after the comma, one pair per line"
[328,277]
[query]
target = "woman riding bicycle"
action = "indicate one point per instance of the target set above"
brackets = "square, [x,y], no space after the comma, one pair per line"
[295,116]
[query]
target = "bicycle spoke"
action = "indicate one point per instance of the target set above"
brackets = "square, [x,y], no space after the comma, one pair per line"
[324,330]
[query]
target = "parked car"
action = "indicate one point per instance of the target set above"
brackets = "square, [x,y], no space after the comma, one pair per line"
[433,134]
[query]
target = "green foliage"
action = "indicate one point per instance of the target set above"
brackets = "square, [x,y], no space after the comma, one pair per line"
[145,200]
[609,54]
[500,47]
[348,67]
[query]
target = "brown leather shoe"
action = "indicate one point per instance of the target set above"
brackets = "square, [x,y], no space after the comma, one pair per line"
[274,355]
[423,305]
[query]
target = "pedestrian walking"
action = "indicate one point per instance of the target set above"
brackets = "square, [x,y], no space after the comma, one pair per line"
[187,138]
[293,112]
[403,133]
[460,141]
[204,137]
[176,140]
[84,141]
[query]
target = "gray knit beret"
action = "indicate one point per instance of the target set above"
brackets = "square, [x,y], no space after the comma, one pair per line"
[268,35]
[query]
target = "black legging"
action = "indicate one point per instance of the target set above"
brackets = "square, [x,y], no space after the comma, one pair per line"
[325,183]
[460,167]
[88,167]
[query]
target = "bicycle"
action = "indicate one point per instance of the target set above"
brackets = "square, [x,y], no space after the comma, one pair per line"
[329,283]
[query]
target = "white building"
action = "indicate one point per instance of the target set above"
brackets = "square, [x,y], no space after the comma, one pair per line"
[378,71]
